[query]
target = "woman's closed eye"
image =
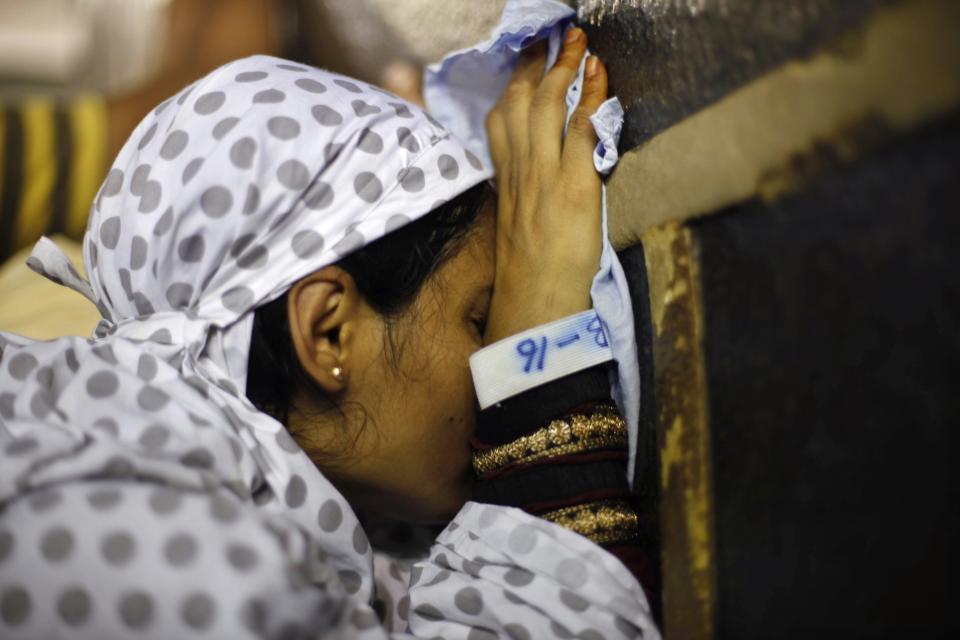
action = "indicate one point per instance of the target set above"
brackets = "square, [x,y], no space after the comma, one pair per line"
[479,309]
[479,322]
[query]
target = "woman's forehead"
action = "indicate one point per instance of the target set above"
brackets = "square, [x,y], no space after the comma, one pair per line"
[472,268]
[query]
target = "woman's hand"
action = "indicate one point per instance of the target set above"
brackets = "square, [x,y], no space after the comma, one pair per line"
[549,211]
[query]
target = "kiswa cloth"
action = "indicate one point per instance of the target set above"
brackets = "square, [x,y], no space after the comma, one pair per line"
[141,494]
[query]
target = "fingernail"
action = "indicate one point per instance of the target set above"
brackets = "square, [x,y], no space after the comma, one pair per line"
[572,35]
[591,66]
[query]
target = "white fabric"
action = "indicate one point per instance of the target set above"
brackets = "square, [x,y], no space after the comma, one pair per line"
[537,356]
[142,494]
[460,91]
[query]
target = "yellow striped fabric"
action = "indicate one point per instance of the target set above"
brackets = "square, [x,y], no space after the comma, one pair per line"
[60,145]
[39,170]
[88,124]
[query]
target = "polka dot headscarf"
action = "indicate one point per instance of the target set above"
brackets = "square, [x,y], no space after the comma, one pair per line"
[255,176]
[224,195]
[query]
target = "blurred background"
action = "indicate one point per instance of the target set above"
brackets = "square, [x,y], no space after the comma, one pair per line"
[786,208]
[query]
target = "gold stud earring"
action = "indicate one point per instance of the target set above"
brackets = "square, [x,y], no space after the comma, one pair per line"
[337,373]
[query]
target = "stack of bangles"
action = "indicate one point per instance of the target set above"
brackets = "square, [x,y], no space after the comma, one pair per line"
[603,521]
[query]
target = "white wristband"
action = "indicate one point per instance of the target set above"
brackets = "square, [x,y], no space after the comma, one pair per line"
[539,355]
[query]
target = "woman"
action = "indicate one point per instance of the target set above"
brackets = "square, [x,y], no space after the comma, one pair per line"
[249,254]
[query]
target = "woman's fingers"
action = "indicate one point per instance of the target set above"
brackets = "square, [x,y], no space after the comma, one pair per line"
[581,138]
[499,145]
[548,106]
[515,102]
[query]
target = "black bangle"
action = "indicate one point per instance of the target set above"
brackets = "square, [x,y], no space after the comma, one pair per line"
[517,416]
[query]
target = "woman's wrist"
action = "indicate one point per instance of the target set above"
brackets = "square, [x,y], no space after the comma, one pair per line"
[537,356]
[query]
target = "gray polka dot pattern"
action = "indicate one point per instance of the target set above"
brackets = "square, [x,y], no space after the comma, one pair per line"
[293,174]
[370,141]
[150,200]
[306,244]
[198,611]
[518,577]
[151,398]
[164,223]
[474,161]
[360,542]
[148,136]
[57,544]
[224,127]
[74,606]
[331,151]
[191,248]
[448,166]
[191,170]
[572,573]
[102,384]
[174,145]
[326,116]
[352,87]
[362,108]
[242,152]
[136,609]
[21,365]
[367,186]
[296,492]
[573,601]
[401,110]
[154,437]
[349,243]
[283,127]
[113,183]
[411,179]
[311,85]
[15,606]
[179,295]
[522,539]
[223,510]
[319,195]
[140,176]
[254,258]
[269,96]
[241,557]
[209,102]
[406,139]
[110,233]
[330,516]
[396,222]
[469,601]
[118,548]
[252,200]
[180,550]
[251,76]
[238,298]
[216,201]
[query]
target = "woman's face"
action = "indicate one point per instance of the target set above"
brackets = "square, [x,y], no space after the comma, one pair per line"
[406,453]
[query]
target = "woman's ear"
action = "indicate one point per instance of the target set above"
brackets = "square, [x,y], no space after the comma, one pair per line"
[323,310]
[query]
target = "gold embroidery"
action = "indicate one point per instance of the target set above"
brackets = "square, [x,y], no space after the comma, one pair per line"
[603,521]
[577,433]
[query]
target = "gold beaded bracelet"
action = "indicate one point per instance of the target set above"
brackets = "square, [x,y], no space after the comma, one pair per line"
[603,521]
[601,429]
